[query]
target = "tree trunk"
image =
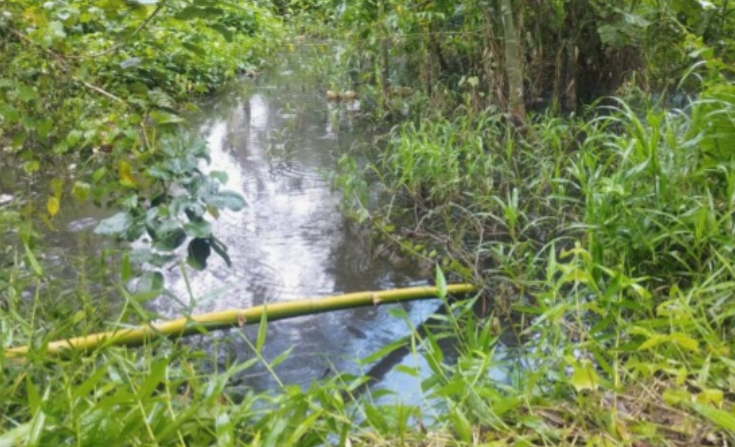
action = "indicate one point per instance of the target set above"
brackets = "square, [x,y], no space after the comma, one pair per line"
[384,57]
[513,64]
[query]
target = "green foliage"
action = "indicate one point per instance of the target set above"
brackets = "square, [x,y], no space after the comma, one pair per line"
[172,206]
[608,244]
[572,52]
[102,83]
[83,75]
[605,243]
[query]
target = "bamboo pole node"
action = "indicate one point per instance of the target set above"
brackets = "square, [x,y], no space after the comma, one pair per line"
[241,319]
[376,299]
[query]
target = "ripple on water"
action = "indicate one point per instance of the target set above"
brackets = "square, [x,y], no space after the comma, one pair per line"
[291,242]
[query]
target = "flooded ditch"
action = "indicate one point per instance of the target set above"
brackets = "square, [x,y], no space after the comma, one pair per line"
[278,138]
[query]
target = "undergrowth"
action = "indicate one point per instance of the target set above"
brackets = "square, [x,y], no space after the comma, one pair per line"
[605,247]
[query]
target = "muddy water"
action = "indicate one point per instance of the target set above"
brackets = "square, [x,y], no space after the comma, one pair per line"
[278,140]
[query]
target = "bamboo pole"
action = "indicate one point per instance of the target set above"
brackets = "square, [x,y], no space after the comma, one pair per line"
[239,317]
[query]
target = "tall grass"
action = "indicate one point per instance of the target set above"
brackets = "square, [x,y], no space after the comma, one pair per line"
[607,245]
[166,393]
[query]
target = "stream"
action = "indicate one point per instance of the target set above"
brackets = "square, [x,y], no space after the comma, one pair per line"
[278,139]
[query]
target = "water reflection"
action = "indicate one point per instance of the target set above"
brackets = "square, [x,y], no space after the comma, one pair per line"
[275,143]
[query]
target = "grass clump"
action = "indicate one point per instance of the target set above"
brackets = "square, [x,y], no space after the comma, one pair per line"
[605,246]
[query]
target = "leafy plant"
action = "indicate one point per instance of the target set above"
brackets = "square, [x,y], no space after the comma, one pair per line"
[174,206]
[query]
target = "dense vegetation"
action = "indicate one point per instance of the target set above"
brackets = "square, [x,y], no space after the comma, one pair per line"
[573,157]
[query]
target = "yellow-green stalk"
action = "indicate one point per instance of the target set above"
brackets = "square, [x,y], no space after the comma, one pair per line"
[239,317]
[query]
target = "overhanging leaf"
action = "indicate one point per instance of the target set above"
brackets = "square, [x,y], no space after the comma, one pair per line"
[117,224]
[198,228]
[169,240]
[199,250]
[165,118]
[220,249]
[226,199]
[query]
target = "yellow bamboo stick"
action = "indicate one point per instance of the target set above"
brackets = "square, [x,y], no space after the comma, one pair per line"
[239,317]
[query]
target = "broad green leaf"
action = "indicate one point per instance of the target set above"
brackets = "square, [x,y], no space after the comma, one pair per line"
[126,174]
[156,376]
[199,250]
[226,199]
[92,381]
[461,424]
[612,35]
[305,426]
[99,173]
[281,357]
[220,249]
[81,190]
[31,166]
[584,376]
[169,240]
[34,397]
[9,114]
[219,175]
[126,269]
[710,397]
[198,228]
[44,127]
[412,371]
[165,118]
[115,225]
[52,206]
[680,339]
